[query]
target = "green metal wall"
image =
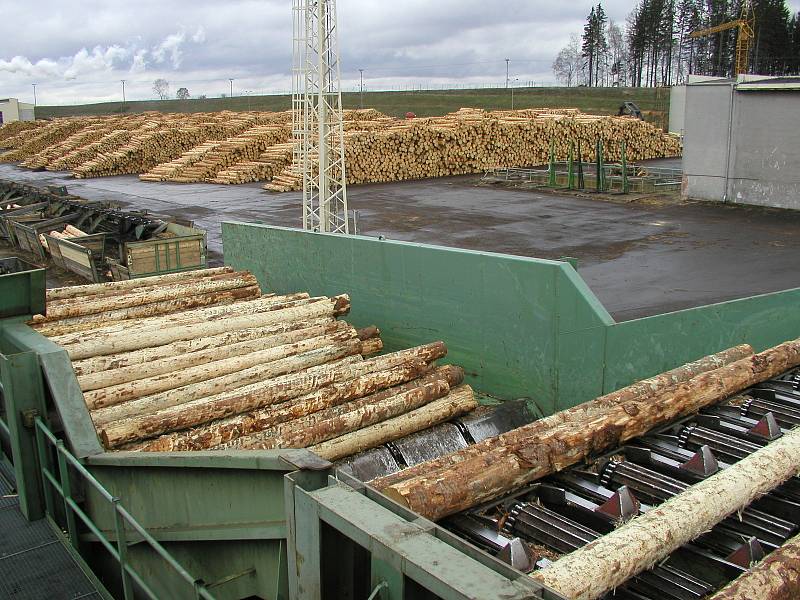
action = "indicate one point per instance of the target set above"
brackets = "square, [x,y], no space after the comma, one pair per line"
[521,327]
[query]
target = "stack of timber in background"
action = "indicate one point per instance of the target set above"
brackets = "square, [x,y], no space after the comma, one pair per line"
[203,360]
[231,148]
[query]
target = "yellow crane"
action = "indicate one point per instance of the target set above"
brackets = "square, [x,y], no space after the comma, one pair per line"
[746,24]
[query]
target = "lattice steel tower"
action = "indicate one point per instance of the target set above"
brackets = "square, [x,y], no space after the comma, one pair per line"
[317,116]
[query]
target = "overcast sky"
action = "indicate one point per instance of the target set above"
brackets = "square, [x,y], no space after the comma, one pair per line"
[79,51]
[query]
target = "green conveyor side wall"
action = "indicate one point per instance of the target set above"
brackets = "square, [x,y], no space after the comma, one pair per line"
[521,327]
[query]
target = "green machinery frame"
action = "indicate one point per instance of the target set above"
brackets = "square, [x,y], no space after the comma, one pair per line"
[284,524]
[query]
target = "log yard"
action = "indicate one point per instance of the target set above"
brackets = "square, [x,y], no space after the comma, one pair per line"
[466,342]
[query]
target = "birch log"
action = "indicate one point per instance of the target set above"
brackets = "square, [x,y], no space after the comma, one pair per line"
[321,386]
[116,394]
[608,562]
[114,287]
[126,359]
[641,391]
[114,344]
[777,577]
[528,453]
[339,420]
[248,349]
[459,401]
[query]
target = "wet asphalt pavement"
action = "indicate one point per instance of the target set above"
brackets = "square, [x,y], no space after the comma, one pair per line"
[640,259]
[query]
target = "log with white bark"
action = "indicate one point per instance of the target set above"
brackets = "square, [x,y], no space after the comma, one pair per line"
[137,357]
[198,315]
[122,392]
[124,317]
[74,231]
[641,391]
[106,379]
[528,453]
[338,420]
[201,410]
[777,577]
[116,343]
[459,401]
[89,306]
[609,561]
[116,287]
[332,383]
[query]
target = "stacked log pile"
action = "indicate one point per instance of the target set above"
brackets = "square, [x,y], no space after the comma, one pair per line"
[14,129]
[231,147]
[203,360]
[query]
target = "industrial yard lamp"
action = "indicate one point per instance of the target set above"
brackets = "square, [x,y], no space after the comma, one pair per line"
[507,61]
[361,102]
[34,93]
[231,80]
[123,93]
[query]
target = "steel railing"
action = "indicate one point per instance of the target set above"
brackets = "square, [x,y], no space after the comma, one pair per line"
[60,482]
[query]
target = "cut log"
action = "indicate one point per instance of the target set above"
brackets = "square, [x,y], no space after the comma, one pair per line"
[116,394]
[325,383]
[126,359]
[106,379]
[641,391]
[229,429]
[100,345]
[371,346]
[528,453]
[339,420]
[114,287]
[90,306]
[125,317]
[777,577]
[608,562]
[459,401]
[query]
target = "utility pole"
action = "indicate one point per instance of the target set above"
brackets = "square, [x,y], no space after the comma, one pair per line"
[34,93]
[508,60]
[231,80]
[361,103]
[123,93]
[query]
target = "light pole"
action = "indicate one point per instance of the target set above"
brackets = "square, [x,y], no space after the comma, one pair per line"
[123,93]
[512,93]
[361,103]
[231,80]
[508,60]
[34,93]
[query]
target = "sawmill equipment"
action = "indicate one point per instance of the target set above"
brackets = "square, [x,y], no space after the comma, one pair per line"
[744,41]
[317,116]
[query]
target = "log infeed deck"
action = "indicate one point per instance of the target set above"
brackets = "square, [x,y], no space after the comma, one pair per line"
[203,360]
[532,527]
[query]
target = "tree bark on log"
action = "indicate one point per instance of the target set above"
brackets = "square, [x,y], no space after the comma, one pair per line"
[86,325]
[459,401]
[127,341]
[200,410]
[339,420]
[117,394]
[106,379]
[226,430]
[97,364]
[528,453]
[198,315]
[332,382]
[89,306]
[777,577]
[116,287]
[609,561]
[641,391]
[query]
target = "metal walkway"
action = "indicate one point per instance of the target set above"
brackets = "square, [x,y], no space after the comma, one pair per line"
[34,563]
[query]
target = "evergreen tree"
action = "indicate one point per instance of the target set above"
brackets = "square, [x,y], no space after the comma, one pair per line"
[589,44]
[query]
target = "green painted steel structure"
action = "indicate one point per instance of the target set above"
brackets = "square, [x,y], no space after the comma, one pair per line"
[279,524]
[521,327]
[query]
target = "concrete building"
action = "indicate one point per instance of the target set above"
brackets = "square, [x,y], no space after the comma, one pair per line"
[12,109]
[742,140]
